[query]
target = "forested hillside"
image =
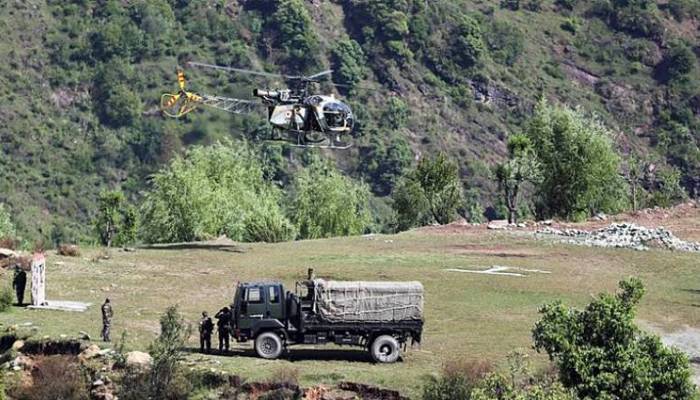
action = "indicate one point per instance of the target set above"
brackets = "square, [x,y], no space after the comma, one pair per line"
[80,84]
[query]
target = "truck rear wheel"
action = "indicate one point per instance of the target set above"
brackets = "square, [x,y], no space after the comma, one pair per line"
[268,345]
[385,349]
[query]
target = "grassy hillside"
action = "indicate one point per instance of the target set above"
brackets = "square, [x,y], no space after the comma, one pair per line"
[468,316]
[80,83]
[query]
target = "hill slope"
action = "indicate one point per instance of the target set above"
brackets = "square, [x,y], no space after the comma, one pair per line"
[81,81]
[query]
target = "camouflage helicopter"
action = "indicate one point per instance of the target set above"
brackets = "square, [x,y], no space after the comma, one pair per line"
[296,116]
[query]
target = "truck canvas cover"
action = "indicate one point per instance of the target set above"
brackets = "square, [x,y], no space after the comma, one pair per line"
[348,301]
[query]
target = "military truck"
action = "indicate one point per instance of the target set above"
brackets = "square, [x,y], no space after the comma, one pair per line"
[381,317]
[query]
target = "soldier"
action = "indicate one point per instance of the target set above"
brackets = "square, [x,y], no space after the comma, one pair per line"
[19,283]
[106,319]
[224,327]
[206,328]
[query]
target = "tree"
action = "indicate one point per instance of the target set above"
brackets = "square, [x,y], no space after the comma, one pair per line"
[432,192]
[117,221]
[468,45]
[349,62]
[522,166]
[580,168]
[505,42]
[211,191]
[327,203]
[602,354]
[296,36]
[7,228]
[678,63]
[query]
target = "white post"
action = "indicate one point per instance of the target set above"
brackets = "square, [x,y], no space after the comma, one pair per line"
[39,279]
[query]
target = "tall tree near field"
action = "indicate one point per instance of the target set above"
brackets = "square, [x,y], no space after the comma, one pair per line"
[430,193]
[601,353]
[117,220]
[521,167]
[326,203]
[580,168]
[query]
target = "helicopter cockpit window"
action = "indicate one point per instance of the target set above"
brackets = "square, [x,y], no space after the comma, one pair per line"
[337,115]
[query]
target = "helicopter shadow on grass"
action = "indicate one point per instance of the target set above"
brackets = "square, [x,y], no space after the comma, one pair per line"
[298,354]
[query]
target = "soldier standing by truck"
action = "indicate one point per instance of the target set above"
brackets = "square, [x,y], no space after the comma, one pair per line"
[206,328]
[223,324]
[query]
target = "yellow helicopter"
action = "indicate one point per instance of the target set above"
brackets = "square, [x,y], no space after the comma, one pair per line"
[297,117]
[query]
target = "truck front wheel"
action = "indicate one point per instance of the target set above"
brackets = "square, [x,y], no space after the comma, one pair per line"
[385,349]
[268,345]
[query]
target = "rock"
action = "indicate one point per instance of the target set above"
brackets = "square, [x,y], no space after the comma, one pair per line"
[498,224]
[22,362]
[138,359]
[98,382]
[521,225]
[17,345]
[91,352]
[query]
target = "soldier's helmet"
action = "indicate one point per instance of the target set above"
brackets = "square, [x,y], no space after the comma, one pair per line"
[204,314]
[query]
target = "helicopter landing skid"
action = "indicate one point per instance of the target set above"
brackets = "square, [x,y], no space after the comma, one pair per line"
[323,146]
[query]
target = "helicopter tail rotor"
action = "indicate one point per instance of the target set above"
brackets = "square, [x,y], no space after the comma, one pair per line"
[176,105]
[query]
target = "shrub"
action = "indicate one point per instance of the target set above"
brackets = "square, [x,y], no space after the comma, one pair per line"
[296,36]
[467,43]
[678,63]
[431,192]
[69,250]
[167,379]
[212,191]
[505,41]
[602,354]
[7,229]
[349,62]
[7,296]
[56,377]
[457,380]
[327,203]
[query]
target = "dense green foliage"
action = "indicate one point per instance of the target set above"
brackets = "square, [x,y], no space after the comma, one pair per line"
[602,354]
[327,203]
[430,193]
[212,191]
[7,228]
[117,221]
[80,93]
[580,168]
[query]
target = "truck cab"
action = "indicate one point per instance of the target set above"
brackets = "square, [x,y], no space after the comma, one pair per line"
[258,306]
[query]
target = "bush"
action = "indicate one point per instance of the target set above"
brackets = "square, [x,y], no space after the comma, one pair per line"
[7,296]
[457,380]
[7,229]
[683,9]
[296,35]
[327,203]
[69,250]
[349,62]
[432,192]
[678,63]
[56,377]
[602,354]
[505,41]
[212,191]
[467,43]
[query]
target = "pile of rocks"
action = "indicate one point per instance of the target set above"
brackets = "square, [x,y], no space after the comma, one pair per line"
[624,235]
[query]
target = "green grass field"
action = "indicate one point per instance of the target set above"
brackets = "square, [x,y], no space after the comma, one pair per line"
[467,315]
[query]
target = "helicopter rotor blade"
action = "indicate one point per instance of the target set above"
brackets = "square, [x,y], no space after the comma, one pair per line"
[320,74]
[241,70]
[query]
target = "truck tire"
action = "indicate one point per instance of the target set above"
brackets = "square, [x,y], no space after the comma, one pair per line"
[385,349]
[268,345]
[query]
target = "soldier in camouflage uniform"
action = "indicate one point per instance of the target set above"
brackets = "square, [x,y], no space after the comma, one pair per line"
[106,319]
[224,328]
[206,328]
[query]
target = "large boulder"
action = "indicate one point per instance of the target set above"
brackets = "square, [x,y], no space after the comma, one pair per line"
[138,359]
[91,351]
